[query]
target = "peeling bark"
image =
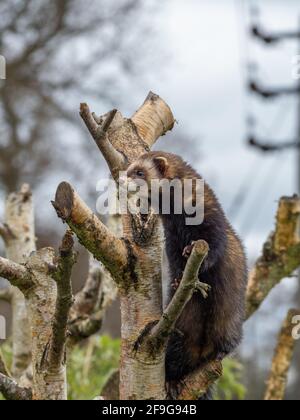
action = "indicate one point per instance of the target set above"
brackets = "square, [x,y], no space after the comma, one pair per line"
[277,382]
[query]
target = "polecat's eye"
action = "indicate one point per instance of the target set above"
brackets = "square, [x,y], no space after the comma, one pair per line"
[140,174]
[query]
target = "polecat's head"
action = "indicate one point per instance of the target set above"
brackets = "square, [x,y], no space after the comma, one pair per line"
[148,167]
[140,174]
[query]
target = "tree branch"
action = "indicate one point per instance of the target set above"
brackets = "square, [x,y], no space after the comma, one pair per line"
[277,382]
[16,274]
[91,232]
[12,391]
[188,285]
[87,327]
[281,254]
[64,301]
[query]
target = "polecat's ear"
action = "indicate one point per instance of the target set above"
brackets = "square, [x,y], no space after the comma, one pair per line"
[161,163]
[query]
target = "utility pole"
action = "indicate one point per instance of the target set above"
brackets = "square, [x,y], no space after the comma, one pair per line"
[269,145]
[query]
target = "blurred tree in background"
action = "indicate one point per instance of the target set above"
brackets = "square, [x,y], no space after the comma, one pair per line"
[55,52]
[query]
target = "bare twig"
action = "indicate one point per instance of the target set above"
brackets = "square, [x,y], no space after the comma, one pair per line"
[187,287]
[282,360]
[12,391]
[87,327]
[64,301]
[16,274]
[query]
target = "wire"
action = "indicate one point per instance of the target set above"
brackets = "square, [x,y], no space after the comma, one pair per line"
[246,186]
[262,197]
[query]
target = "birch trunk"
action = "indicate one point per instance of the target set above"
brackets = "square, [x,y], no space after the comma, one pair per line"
[20,243]
[141,376]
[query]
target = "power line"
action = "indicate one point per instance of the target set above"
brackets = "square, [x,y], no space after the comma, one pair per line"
[260,198]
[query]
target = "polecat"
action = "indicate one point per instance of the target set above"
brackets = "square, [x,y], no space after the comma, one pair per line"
[211,328]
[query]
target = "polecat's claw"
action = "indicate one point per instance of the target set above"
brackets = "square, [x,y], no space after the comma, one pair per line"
[188,250]
[203,288]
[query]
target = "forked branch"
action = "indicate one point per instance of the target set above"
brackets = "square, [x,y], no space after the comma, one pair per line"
[98,129]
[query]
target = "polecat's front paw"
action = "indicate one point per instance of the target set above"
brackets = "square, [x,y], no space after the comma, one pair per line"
[188,250]
[203,288]
[175,284]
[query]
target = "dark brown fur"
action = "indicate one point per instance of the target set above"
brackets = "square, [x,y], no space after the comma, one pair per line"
[212,328]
